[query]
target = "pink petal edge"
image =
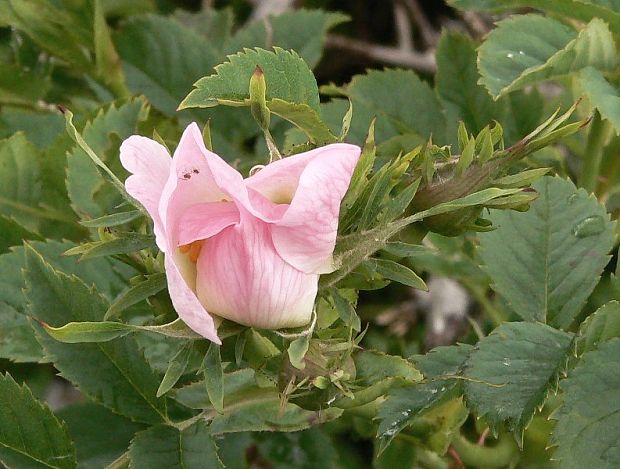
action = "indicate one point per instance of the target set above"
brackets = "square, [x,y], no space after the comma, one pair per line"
[306,235]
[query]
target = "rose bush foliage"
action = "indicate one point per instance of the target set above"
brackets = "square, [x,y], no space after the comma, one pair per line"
[262,308]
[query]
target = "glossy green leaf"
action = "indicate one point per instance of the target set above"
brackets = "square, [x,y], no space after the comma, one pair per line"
[176,368]
[30,434]
[112,220]
[123,244]
[512,370]
[586,432]
[526,49]
[546,262]
[372,366]
[398,273]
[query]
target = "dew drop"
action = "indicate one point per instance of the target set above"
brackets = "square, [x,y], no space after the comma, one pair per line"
[506,361]
[589,226]
[510,55]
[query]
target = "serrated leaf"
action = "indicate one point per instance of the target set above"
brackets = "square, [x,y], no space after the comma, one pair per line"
[87,187]
[526,49]
[300,30]
[97,445]
[21,86]
[150,286]
[602,95]
[586,432]
[103,371]
[195,395]
[457,84]
[600,326]
[546,262]
[13,234]
[17,339]
[306,449]
[287,77]
[169,447]
[30,434]
[161,59]
[406,402]
[511,371]
[583,10]
[345,310]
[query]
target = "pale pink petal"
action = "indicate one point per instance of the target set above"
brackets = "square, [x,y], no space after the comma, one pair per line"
[265,209]
[242,278]
[201,221]
[149,163]
[187,305]
[305,237]
[197,176]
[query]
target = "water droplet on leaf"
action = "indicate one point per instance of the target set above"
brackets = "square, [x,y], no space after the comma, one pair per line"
[589,226]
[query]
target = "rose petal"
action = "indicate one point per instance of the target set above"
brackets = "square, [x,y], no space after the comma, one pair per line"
[197,175]
[306,235]
[187,305]
[150,164]
[242,278]
[201,221]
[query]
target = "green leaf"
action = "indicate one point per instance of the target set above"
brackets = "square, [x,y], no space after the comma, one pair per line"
[400,249]
[104,331]
[162,58]
[20,86]
[152,285]
[305,118]
[297,351]
[287,76]
[52,28]
[526,49]
[100,436]
[406,402]
[300,30]
[114,219]
[176,368]
[88,189]
[457,84]
[195,395]
[13,234]
[512,370]
[214,376]
[263,412]
[602,325]
[586,432]
[30,434]
[398,273]
[113,373]
[345,310]
[307,449]
[125,243]
[602,95]
[163,446]
[372,366]
[414,109]
[583,10]
[17,338]
[546,262]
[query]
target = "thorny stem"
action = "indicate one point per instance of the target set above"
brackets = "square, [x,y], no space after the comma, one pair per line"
[600,131]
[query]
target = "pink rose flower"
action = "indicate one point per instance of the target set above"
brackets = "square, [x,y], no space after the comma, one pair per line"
[249,250]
